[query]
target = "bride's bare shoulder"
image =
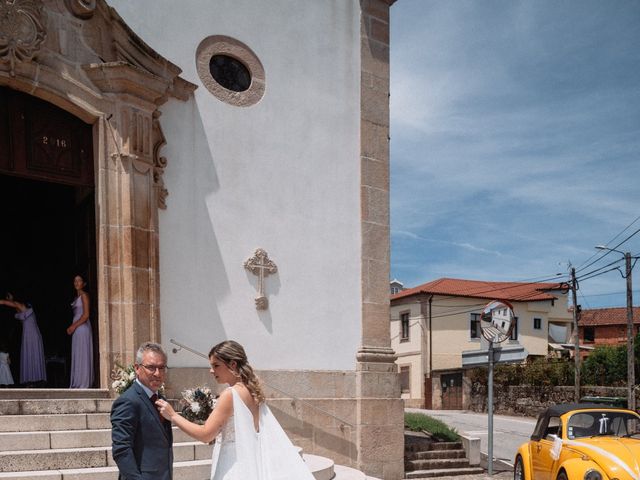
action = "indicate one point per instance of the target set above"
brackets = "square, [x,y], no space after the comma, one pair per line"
[225,398]
[242,390]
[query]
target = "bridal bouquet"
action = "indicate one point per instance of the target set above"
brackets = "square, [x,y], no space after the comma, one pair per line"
[122,378]
[197,404]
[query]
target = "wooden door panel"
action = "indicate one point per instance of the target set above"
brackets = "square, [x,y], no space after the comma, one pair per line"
[451,391]
[43,141]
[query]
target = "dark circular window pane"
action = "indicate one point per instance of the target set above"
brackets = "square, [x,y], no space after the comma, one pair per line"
[230,73]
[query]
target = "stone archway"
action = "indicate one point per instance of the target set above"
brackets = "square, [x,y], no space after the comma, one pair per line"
[82,57]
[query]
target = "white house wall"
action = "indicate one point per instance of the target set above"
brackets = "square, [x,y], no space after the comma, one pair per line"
[282,175]
[451,332]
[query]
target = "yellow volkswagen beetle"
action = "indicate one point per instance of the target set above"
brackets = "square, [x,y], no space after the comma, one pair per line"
[581,442]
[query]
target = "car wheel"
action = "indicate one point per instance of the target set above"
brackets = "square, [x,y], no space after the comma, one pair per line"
[518,469]
[562,476]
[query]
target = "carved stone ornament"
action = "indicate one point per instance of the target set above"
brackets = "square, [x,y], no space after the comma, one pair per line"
[262,266]
[21,31]
[159,163]
[81,8]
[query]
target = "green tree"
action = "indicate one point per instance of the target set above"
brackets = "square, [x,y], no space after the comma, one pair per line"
[606,365]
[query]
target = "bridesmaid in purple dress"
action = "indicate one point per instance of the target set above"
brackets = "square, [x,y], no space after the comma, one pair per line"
[32,365]
[81,338]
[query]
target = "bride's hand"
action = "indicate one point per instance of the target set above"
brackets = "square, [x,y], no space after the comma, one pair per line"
[165,409]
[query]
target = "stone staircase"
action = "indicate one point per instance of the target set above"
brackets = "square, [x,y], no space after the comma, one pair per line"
[66,435]
[437,459]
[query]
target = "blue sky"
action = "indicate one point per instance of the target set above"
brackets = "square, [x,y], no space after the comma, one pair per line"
[515,140]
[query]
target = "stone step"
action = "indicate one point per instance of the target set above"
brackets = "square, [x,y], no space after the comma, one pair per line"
[191,470]
[66,439]
[56,406]
[89,457]
[436,464]
[445,446]
[54,422]
[434,454]
[60,434]
[445,472]
[347,473]
[321,467]
[183,470]
[52,393]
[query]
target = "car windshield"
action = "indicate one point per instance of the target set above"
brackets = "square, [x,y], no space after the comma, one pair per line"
[603,422]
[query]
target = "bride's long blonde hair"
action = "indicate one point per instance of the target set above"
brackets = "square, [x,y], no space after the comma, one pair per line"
[231,351]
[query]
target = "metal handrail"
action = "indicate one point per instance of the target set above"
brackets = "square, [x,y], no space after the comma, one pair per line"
[297,399]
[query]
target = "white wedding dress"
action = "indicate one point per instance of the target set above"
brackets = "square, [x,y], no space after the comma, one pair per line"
[241,453]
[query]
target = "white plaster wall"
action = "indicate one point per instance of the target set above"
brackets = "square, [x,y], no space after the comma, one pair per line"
[415,351]
[283,175]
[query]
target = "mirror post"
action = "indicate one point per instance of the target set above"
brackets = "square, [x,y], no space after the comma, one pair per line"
[490,412]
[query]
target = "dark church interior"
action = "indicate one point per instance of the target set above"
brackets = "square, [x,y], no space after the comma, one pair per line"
[48,229]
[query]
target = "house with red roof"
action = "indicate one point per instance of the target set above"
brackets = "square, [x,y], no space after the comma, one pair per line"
[606,326]
[433,323]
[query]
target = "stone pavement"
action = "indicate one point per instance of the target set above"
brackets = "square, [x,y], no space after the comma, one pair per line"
[484,476]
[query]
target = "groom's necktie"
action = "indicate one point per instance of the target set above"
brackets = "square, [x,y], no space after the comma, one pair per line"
[153,399]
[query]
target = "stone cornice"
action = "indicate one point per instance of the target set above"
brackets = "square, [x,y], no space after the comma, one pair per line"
[124,78]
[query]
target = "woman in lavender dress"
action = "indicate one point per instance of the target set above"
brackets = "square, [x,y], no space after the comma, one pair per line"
[32,366]
[81,338]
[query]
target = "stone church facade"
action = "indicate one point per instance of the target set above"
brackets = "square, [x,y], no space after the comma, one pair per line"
[163,167]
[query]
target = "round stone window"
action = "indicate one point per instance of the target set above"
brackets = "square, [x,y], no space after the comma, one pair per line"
[230,73]
[230,70]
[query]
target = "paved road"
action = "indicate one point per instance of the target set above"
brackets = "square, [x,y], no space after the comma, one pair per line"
[508,432]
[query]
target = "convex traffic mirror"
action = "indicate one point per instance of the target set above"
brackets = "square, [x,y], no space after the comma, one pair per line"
[497,321]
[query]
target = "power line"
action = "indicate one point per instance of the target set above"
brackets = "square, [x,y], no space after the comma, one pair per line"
[608,251]
[612,240]
[600,273]
[610,293]
[587,277]
[601,268]
[585,299]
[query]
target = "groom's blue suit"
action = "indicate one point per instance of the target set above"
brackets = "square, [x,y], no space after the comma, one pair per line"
[141,442]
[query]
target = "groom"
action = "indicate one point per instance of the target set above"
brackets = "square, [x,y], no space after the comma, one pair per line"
[141,439]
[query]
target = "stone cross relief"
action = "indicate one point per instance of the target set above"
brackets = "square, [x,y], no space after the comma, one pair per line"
[262,266]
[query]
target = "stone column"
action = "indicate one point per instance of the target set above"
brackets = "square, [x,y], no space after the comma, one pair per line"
[130,191]
[130,224]
[380,422]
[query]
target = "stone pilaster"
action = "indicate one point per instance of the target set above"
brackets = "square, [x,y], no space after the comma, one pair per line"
[380,422]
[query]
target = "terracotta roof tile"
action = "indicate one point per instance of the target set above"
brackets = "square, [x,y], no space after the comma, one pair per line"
[608,316]
[513,291]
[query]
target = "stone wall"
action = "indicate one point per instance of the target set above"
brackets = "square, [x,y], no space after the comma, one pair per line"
[529,400]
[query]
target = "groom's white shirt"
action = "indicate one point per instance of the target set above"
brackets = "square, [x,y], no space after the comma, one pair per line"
[146,389]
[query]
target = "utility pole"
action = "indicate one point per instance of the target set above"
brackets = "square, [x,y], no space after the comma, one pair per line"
[576,388]
[631,373]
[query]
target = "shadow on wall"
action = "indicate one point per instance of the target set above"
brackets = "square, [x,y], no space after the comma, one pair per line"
[191,266]
[316,432]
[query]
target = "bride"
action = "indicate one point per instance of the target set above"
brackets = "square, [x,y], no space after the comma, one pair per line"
[250,443]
